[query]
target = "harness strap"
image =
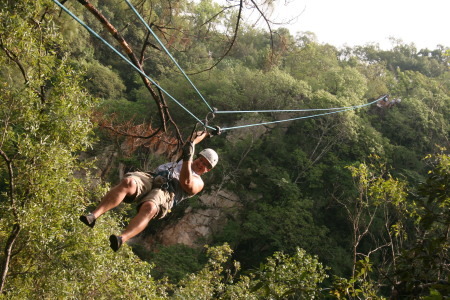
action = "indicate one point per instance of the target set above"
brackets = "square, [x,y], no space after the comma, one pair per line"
[169,182]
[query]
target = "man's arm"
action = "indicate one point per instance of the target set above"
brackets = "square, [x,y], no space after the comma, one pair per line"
[191,184]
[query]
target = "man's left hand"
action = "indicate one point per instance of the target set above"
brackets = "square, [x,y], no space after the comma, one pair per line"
[188,151]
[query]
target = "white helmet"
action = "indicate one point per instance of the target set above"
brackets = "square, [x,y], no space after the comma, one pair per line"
[210,155]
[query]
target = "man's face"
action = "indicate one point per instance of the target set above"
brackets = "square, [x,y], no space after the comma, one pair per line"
[201,165]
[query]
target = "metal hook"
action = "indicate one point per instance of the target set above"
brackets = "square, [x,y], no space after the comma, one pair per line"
[211,113]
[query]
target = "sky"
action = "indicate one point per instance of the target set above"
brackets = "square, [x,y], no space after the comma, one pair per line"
[425,23]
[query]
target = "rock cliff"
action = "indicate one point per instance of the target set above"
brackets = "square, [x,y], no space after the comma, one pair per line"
[197,225]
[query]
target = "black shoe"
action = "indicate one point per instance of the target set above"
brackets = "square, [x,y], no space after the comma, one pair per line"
[115,242]
[89,220]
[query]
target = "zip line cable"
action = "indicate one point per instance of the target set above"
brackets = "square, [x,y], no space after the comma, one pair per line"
[293,110]
[281,121]
[128,61]
[167,52]
[304,117]
[214,111]
[275,110]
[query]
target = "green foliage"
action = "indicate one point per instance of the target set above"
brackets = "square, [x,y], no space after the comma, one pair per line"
[291,178]
[360,286]
[102,82]
[406,57]
[289,277]
[173,262]
[208,282]
[274,227]
[249,46]
[416,265]
[310,62]
[124,111]
[281,277]
[346,82]
[422,261]
[45,124]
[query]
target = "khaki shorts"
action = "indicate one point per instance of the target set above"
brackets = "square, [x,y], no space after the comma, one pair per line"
[147,190]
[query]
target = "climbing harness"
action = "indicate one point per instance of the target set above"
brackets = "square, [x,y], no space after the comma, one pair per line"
[165,178]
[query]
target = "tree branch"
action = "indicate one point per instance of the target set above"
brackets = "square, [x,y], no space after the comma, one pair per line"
[266,20]
[236,29]
[16,227]
[8,250]
[159,101]
[14,58]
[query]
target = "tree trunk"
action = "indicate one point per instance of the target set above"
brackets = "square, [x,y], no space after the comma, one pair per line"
[8,254]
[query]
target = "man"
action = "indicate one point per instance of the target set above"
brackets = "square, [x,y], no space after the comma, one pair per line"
[156,193]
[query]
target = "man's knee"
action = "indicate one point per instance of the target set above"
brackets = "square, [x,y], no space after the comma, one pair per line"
[129,185]
[149,208]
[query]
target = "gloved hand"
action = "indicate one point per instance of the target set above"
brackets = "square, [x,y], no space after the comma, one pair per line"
[188,151]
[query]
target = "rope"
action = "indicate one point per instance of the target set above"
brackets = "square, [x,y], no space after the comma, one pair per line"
[281,121]
[279,110]
[126,60]
[168,53]
[213,111]
[337,110]
[295,110]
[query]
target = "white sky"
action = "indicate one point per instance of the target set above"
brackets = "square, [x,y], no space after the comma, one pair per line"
[425,23]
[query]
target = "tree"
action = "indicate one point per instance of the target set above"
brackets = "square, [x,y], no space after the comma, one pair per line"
[376,198]
[44,125]
[422,267]
[45,120]
[282,276]
[311,62]
[414,251]
[295,276]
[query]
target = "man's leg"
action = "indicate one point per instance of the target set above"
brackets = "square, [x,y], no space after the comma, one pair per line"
[146,212]
[127,187]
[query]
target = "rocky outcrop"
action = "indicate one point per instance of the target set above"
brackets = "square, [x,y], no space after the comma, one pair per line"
[197,226]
